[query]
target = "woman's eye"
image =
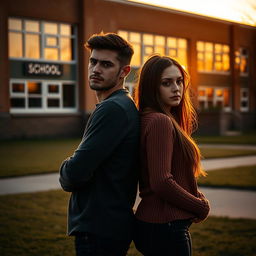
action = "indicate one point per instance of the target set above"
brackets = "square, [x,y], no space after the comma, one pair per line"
[180,82]
[165,83]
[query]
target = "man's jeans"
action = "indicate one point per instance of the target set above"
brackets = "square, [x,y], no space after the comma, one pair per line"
[173,238]
[88,244]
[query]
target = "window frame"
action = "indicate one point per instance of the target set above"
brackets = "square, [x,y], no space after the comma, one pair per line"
[247,99]
[215,99]
[154,45]
[42,40]
[213,71]
[127,34]
[45,95]
[238,56]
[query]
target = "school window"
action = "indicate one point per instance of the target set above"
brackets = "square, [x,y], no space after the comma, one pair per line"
[241,61]
[135,39]
[212,57]
[41,40]
[177,48]
[244,100]
[146,44]
[214,98]
[35,96]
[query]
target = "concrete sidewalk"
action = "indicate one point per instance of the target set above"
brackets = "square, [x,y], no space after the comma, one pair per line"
[228,146]
[44,182]
[217,163]
[228,202]
[224,202]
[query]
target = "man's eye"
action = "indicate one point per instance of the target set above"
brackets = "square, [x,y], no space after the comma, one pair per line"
[93,62]
[107,64]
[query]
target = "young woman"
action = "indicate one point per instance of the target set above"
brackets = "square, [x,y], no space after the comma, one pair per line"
[170,161]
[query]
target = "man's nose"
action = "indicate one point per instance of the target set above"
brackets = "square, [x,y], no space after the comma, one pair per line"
[96,68]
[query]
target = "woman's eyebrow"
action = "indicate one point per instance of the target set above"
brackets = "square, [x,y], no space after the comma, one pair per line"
[172,78]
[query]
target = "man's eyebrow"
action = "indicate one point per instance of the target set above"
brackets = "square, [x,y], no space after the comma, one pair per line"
[102,61]
[106,61]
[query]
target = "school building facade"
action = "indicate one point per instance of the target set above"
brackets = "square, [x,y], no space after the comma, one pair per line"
[44,89]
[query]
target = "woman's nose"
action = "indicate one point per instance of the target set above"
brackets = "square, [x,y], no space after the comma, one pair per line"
[175,87]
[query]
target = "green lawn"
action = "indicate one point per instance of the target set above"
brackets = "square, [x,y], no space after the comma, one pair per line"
[35,224]
[246,138]
[241,177]
[34,156]
[208,152]
[42,156]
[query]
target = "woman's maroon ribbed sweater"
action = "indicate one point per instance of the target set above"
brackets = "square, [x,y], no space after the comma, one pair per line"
[168,187]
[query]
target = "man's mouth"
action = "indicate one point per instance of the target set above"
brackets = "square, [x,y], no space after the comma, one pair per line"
[97,78]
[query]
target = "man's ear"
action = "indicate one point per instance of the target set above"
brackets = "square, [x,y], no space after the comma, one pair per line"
[125,71]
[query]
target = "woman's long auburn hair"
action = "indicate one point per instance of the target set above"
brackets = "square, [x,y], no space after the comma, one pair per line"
[147,98]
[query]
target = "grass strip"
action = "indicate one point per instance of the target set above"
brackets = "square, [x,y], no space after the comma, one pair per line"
[248,138]
[209,153]
[34,156]
[35,224]
[44,156]
[243,177]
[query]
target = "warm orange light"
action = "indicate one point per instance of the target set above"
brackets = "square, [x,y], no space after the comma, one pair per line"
[201,93]
[226,97]
[219,93]
[209,92]
[240,11]
[34,88]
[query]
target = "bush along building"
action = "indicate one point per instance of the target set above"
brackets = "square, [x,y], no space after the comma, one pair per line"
[43,76]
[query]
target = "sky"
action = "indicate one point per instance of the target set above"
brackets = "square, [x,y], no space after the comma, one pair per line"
[231,10]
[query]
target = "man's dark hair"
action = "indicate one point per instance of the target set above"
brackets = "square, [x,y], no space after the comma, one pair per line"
[114,42]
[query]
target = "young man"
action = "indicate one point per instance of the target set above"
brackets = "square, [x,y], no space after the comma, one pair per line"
[102,173]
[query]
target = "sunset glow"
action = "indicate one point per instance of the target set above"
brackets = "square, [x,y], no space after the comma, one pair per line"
[241,11]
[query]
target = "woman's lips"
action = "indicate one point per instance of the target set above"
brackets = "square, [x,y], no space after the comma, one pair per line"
[175,97]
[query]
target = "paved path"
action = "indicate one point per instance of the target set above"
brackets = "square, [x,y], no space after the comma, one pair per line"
[231,203]
[33,183]
[228,202]
[43,182]
[227,146]
[224,202]
[212,164]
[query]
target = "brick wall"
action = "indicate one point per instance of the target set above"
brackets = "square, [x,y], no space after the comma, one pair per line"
[54,126]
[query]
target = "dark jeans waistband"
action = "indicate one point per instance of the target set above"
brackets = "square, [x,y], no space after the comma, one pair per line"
[184,223]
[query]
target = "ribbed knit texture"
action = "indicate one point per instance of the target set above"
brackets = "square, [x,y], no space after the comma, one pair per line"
[168,187]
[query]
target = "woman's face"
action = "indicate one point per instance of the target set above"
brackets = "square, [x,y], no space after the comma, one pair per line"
[171,87]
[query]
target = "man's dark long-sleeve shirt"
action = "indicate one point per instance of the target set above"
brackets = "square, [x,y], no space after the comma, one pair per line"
[102,173]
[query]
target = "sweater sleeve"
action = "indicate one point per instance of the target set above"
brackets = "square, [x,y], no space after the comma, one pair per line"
[159,147]
[106,130]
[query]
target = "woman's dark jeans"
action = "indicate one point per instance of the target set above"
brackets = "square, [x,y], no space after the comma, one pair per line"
[88,244]
[173,238]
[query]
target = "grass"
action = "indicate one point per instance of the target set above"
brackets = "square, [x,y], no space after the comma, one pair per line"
[248,138]
[34,156]
[241,177]
[208,152]
[35,224]
[24,157]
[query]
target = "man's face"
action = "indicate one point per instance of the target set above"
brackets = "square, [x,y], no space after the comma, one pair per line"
[104,71]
